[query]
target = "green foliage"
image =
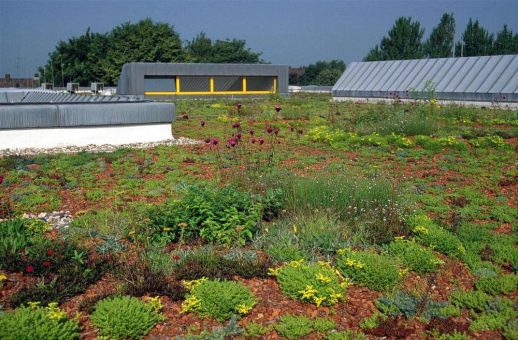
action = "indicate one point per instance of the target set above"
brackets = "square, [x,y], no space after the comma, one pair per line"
[498,285]
[315,283]
[476,41]
[488,142]
[14,237]
[211,263]
[505,42]
[346,335]
[310,237]
[409,306]
[323,325]
[499,314]
[218,299]
[414,256]
[376,271]
[403,42]
[255,330]
[475,300]
[429,234]
[223,216]
[441,40]
[67,281]
[35,322]
[230,330]
[203,50]
[453,336]
[319,73]
[125,317]
[371,206]
[293,327]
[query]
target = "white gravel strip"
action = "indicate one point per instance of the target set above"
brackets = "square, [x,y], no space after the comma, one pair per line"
[96,148]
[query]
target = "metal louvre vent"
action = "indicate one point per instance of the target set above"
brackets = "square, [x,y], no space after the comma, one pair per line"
[194,84]
[223,83]
[259,83]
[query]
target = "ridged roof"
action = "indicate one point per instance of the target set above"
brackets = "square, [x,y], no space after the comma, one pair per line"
[49,97]
[469,78]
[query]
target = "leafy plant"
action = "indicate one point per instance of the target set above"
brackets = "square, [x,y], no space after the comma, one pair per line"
[218,299]
[315,283]
[15,236]
[414,256]
[474,300]
[223,216]
[125,317]
[323,325]
[293,327]
[435,237]
[376,271]
[504,284]
[255,330]
[36,322]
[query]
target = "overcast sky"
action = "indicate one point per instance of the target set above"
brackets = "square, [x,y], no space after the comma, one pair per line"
[287,32]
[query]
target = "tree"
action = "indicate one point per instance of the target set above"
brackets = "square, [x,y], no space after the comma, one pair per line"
[505,42]
[321,73]
[144,41]
[203,50]
[476,41]
[403,42]
[441,40]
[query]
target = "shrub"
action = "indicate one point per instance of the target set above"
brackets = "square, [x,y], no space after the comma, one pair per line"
[414,256]
[125,317]
[208,262]
[499,314]
[16,235]
[498,285]
[435,237]
[35,322]
[255,330]
[67,282]
[221,216]
[488,141]
[218,299]
[376,271]
[315,283]
[293,327]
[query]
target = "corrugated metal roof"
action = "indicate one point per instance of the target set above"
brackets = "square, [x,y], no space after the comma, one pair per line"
[487,78]
[53,97]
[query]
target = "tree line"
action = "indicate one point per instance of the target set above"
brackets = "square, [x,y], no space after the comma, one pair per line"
[100,56]
[405,41]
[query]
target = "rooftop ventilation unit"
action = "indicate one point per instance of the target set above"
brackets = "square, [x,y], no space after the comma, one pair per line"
[97,87]
[72,87]
[47,86]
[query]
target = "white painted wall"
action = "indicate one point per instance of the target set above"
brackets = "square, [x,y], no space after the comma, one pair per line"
[82,136]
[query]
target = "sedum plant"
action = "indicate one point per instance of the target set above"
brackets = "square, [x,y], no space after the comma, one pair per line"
[126,317]
[429,234]
[36,322]
[218,299]
[379,272]
[316,283]
[415,257]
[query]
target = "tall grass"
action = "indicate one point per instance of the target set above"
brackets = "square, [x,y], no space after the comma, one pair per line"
[407,122]
[373,207]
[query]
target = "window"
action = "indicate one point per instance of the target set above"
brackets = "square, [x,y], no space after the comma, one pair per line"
[224,83]
[259,83]
[159,84]
[194,84]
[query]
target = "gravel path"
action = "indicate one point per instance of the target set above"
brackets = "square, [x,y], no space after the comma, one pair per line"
[96,148]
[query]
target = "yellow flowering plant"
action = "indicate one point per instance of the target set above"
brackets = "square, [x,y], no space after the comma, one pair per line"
[316,283]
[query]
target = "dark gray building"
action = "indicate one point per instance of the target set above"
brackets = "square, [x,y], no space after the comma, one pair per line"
[487,78]
[159,80]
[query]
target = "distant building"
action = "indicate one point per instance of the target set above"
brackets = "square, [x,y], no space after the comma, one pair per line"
[159,80]
[7,81]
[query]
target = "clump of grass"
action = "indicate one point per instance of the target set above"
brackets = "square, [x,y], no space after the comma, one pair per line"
[373,206]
